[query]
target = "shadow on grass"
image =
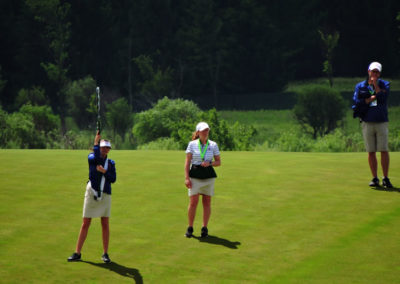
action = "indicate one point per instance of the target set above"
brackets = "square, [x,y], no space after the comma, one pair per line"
[381,188]
[218,241]
[120,269]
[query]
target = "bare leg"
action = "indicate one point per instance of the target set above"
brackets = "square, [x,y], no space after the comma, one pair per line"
[194,200]
[385,163]
[106,232]
[206,209]
[373,163]
[83,234]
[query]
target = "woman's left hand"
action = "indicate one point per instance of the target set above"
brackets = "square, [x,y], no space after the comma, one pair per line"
[205,164]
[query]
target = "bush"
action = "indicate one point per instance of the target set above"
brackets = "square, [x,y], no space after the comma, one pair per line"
[119,116]
[291,141]
[168,118]
[161,144]
[80,96]
[20,132]
[43,118]
[177,119]
[319,108]
[333,142]
[77,140]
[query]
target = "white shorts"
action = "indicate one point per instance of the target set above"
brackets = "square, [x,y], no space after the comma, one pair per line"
[202,186]
[96,208]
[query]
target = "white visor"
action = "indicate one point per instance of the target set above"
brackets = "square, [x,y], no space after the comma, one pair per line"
[105,143]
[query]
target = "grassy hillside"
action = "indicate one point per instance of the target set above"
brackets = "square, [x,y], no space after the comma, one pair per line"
[277,218]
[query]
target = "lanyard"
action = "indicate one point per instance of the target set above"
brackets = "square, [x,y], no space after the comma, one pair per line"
[371,90]
[203,153]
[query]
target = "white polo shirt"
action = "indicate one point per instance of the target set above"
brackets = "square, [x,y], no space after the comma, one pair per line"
[193,148]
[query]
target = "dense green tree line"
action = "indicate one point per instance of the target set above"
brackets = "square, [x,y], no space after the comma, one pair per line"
[144,50]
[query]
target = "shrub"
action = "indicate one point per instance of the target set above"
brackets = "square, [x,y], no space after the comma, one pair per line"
[177,119]
[20,132]
[161,144]
[119,116]
[168,118]
[80,96]
[291,141]
[319,108]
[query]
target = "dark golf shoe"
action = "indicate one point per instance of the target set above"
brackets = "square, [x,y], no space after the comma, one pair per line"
[374,182]
[189,232]
[204,232]
[106,258]
[386,182]
[74,257]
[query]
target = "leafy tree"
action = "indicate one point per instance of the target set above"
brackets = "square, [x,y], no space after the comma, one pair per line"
[155,84]
[34,96]
[319,108]
[80,97]
[53,14]
[330,41]
[2,82]
[3,126]
[119,117]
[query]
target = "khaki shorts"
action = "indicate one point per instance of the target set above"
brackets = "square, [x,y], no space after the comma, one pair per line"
[96,208]
[375,136]
[202,186]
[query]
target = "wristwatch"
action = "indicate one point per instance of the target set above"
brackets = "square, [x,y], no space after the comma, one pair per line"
[210,163]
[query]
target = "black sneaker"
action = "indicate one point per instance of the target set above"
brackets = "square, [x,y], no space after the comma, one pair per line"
[204,232]
[374,182]
[386,182]
[189,232]
[74,257]
[106,258]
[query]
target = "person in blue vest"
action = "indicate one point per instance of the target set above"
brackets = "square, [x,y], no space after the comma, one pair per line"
[202,155]
[370,101]
[97,196]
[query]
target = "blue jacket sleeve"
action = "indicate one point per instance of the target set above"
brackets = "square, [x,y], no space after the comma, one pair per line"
[356,97]
[384,93]
[97,159]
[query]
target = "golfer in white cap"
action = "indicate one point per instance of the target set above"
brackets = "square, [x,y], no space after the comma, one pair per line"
[98,195]
[202,155]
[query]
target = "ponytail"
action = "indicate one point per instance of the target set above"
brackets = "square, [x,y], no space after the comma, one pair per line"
[195,135]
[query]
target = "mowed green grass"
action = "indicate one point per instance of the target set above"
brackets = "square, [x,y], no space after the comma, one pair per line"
[277,218]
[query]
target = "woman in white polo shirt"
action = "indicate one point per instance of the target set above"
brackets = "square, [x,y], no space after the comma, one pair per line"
[202,154]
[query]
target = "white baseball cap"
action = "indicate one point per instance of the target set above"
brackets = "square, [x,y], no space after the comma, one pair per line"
[202,126]
[375,65]
[105,143]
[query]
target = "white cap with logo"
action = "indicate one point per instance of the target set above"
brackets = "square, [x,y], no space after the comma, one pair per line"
[375,66]
[202,126]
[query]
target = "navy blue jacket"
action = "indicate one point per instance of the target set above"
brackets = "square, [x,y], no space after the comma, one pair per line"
[377,113]
[95,176]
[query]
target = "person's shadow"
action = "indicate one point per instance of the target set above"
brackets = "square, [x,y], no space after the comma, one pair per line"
[381,188]
[218,241]
[120,269]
